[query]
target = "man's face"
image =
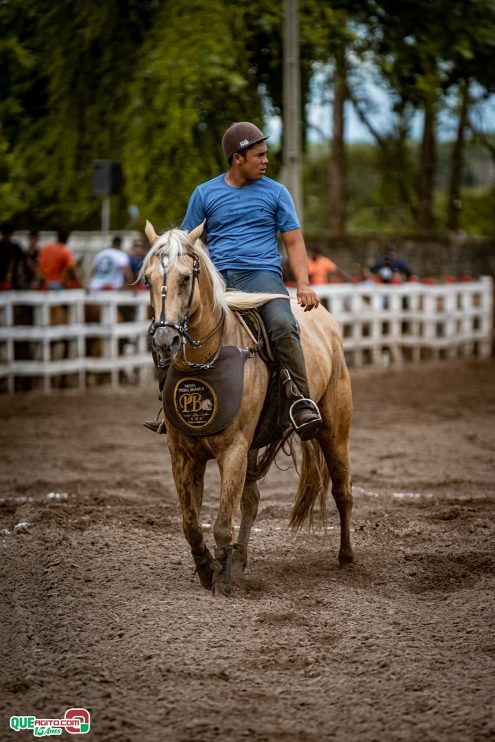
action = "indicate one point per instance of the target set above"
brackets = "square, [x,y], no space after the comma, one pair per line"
[254,166]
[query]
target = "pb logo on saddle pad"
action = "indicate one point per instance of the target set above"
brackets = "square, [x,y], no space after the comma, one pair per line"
[195,402]
[205,401]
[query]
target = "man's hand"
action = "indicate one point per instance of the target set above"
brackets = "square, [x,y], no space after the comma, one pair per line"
[307,298]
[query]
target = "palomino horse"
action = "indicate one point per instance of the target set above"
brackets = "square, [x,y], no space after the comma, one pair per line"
[192,312]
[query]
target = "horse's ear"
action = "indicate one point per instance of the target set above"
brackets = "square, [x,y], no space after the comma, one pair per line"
[150,233]
[196,233]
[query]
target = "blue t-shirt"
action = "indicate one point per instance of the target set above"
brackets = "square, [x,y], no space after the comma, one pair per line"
[242,223]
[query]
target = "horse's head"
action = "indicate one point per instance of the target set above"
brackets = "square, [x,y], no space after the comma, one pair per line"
[172,269]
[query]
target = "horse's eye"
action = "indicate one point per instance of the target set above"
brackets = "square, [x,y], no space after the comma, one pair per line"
[186,279]
[146,282]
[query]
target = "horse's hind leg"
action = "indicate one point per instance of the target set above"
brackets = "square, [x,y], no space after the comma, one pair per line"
[188,475]
[333,437]
[249,508]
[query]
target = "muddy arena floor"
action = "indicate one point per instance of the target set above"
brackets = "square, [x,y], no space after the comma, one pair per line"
[99,607]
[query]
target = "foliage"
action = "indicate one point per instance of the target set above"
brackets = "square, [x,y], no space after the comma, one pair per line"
[66,103]
[154,83]
[189,85]
[373,205]
[478,211]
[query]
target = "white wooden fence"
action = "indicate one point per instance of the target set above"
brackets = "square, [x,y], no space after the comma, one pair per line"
[380,324]
[99,337]
[384,324]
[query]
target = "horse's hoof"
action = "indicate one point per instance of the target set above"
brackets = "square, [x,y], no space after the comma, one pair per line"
[239,562]
[345,557]
[222,572]
[221,590]
[204,568]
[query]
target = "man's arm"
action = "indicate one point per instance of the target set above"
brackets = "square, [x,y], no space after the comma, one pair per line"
[69,272]
[298,261]
[375,267]
[128,276]
[403,267]
[343,275]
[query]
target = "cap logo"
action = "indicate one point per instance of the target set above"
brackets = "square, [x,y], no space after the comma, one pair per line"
[244,143]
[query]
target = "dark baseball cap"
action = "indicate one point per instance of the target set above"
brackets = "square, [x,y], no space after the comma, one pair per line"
[240,136]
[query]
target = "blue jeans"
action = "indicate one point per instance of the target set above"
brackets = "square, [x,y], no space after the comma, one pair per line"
[281,325]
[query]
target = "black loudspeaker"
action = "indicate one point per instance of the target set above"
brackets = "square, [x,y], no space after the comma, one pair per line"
[107,177]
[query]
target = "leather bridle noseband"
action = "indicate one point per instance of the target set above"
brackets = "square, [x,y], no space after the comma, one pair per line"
[184,323]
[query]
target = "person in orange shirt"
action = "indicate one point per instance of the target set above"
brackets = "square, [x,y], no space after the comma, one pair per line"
[321,269]
[56,263]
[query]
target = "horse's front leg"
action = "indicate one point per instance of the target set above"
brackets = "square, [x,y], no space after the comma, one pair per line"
[232,466]
[188,470]
[249,509]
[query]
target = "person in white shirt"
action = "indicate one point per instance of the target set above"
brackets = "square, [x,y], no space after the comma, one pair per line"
[111,269]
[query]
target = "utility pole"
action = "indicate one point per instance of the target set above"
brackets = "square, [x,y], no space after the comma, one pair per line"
[105,214]
[292,105]
[107,179]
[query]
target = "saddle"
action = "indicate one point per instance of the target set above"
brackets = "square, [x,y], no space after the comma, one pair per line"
[202,402]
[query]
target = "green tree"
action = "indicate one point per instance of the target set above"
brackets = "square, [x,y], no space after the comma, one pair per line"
[192,81]
[424,50]
[21,95]
[80,55]
[471,78]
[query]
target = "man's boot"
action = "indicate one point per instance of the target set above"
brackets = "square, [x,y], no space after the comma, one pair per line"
[303,412]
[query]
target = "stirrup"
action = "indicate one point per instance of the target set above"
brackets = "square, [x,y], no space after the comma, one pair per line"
[157,426]
[308,429]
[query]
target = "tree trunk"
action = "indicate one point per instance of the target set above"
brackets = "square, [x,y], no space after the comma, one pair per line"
[427,169]
[454,209]
[393,154]
[338,190]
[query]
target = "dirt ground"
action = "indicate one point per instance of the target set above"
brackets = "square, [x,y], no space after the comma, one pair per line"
[99,607]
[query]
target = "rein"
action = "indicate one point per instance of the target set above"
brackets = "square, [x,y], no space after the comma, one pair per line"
[184,324]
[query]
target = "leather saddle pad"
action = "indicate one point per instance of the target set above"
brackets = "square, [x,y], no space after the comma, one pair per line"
[202,402]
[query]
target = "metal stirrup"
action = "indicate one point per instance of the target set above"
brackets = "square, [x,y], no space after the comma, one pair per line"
[306,403]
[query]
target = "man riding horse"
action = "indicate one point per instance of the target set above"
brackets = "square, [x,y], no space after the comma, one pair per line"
[243,211]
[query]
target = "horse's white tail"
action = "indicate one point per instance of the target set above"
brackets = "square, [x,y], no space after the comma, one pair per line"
[314,478]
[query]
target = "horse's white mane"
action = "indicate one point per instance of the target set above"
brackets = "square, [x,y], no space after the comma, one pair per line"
[172,243]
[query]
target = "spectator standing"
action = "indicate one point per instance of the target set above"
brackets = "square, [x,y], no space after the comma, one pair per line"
[390,268]
[11,260]
[30,266]
[136,256]
[56,263]
[321,269]
[111,268]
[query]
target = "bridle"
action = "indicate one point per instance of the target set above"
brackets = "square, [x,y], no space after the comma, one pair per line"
[184,323]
